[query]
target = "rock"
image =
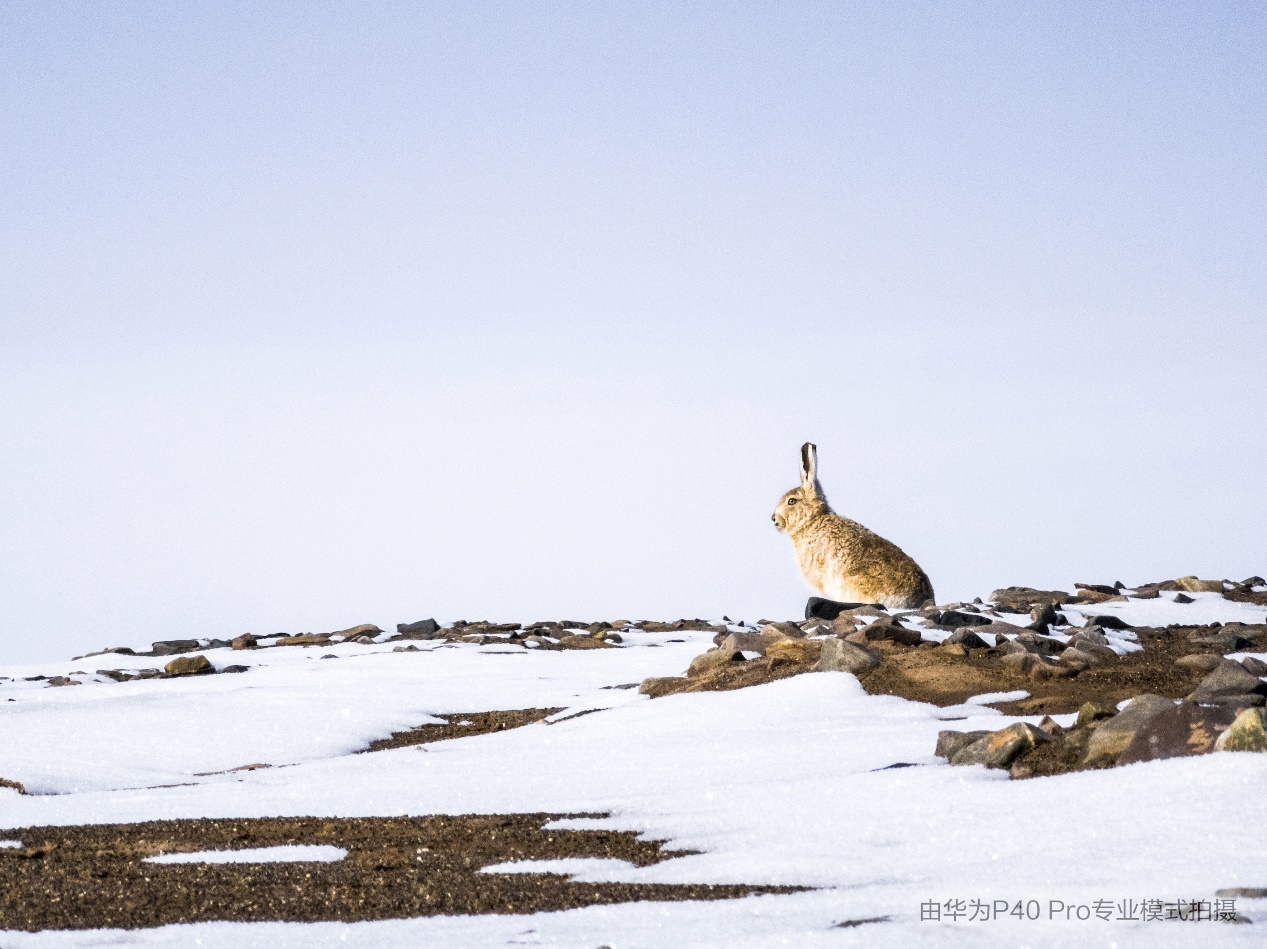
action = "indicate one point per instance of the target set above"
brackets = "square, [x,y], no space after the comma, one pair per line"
[1177,732]
[1254,666]
[839,655]
[232,669]
[1024,599]
[599,628]
[307,639]
[1043,615]
[889,628]
[365,629]
[612,637]
[1043,645]
[1181,598]
[148,674]
[1200,662]
[1077,659]
[1092,634]
[953,649]
[999,749]
[118,675]
[1224,641]
[1024,663]
[1107,621]
[1094,712]
[423,629]
[656,687]
[951,742]
[1098,655]
[713,659]
[955,618]
[58,681]
[744,642]
[363,640]
[172,647]
[1193,585]
[410,648]
[816,607]
[1050,726]
[1099,588]
[782,631]
[1227,679]
[582,642]
[245,641]
[967,639]
[1248,732]
[1111,738]
[189,666]
[798,650]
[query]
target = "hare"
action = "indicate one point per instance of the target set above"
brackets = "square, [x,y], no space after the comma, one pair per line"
[840,558]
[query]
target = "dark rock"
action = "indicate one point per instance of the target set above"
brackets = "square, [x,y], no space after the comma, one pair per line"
[816,607]
[57,681]
[1043,645]
[1228,679]
[967,638]
[148,673]
[189,666]
[1094,712]
[1183,730]
[1254,666]
[172,647]
[955,619]
[1043,616]
[893,632]
[423,629]
[839,655]
[1182,598]
[950,742]
[118,675]
[1097,588]
[235,669]
[1107,621]
[245,641]
[1225,641]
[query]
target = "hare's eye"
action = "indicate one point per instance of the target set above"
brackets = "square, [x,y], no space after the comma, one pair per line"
[791,501]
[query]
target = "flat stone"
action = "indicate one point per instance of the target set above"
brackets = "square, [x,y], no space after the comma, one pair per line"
[1229,678]
[189,666]
[172,647]
[1024,599]
[1107,621]
[581,642]
[1111,738]
[708,661]
[118,675]
[664,685]
[782,631]
[59,681]
[1100,588]
[365,629]
[744,642]
[951,742]
[955,619]
[307,639]
[1178,732]
[1043,645]
[1248,732]
[235,668]
[1200,662]
[1193,585]
[999,749]
[817,607]
[839,655]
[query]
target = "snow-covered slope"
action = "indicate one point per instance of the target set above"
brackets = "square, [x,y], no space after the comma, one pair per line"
[788,783]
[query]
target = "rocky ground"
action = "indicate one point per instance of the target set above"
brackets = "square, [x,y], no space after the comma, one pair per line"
[1087,680]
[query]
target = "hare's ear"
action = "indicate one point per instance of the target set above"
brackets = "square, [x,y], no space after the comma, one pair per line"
[809,466]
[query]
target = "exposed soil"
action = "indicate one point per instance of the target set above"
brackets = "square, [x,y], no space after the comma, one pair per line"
[93,876]
[931,674]
[463,725]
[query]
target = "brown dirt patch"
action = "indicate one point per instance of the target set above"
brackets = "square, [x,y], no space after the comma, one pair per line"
[93,876]
[930,675]
[733,675]
[463,725]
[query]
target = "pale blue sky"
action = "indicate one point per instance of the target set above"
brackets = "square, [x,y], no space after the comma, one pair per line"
[370,312]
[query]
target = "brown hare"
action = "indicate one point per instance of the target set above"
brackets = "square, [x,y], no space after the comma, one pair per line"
[840,558]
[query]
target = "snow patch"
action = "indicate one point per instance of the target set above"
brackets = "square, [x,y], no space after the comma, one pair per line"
[287,853]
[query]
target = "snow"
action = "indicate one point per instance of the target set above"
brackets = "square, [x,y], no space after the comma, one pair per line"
[10,844]
[286,853]
[584,869]
[786,783]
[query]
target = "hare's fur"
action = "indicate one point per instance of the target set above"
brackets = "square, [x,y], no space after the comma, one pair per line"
[840,558]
